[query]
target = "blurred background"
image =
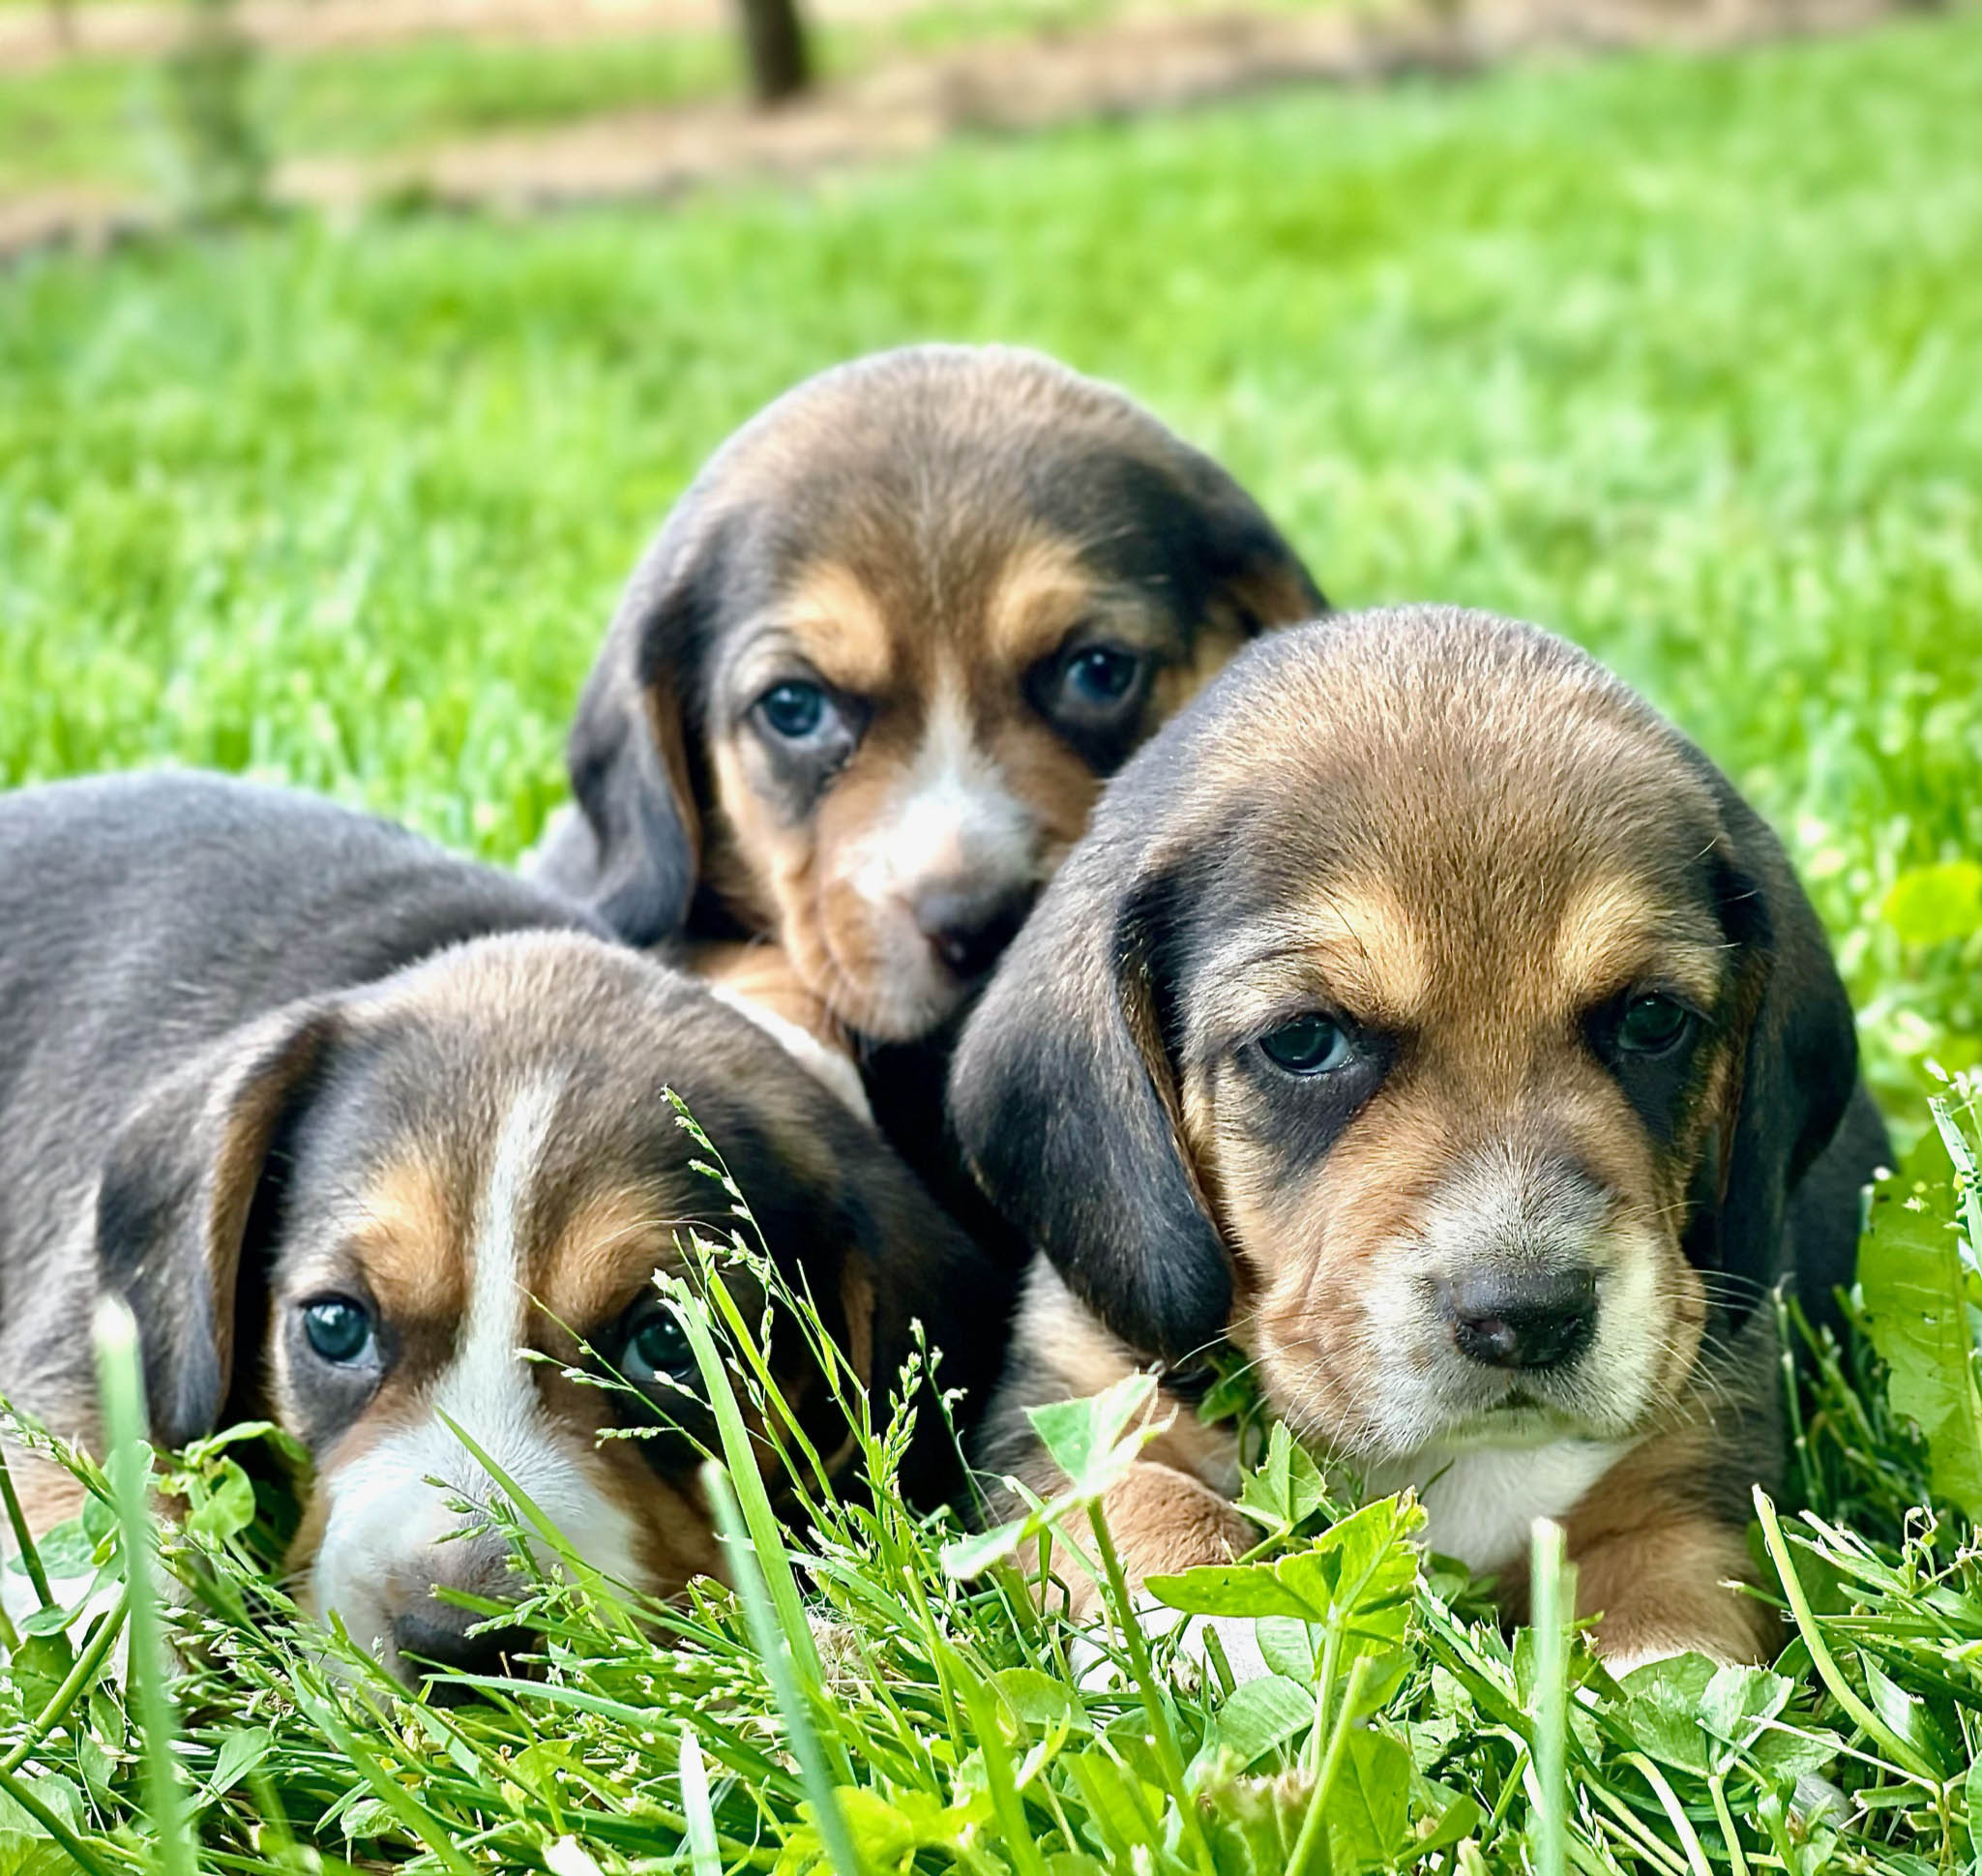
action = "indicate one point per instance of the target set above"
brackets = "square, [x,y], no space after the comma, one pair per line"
[350,349]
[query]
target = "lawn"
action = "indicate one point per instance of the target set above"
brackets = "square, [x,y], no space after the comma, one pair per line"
[1678,357]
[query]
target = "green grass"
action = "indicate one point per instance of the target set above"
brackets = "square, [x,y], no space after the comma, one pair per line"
[1678,357]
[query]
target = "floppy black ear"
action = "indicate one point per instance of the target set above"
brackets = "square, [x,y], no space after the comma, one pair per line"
[635,854]
[185,1186]
[1795,1070]
[1064,1102]
[1255,569]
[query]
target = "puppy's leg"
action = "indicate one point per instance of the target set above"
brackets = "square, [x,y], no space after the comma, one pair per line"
[1656,1544]
[1168,1514]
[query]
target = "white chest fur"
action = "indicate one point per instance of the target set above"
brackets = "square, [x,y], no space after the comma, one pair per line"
[1481,1502]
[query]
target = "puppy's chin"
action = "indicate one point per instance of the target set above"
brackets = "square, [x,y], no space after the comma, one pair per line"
[1377,1379]
[874,970]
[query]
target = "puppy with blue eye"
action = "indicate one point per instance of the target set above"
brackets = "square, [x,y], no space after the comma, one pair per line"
[1427,1020]
[867,682]
[357,1128]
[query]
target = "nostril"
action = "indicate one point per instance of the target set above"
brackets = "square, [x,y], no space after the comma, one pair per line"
[968,928]
[440,1642]
[1529,1323]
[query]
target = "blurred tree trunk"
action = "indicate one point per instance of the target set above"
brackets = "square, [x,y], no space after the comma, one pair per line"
[774,42]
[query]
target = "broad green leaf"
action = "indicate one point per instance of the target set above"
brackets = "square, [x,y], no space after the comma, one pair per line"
[1260,1714]
[1917,1296]
[1369,1805]
[1232,1590]
[1288,1489]
[228,1510]
[1035,1699]
[1095,1440]
[240,1752]
[1738,1702]
[1934,905]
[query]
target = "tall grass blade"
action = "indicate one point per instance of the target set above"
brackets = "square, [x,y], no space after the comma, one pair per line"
[121,1382]
[1552,1610]
[802,1736]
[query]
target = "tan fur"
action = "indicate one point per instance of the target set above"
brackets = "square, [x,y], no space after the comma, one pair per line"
[1494,854]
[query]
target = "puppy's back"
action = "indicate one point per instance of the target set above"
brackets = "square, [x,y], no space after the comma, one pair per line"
[144,915]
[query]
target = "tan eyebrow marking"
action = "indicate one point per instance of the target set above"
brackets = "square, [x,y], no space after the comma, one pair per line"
[1615,931]
[842,627]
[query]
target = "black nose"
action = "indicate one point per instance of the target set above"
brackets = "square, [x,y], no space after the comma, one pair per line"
[968,925]
[436,1641]
[1542,1321]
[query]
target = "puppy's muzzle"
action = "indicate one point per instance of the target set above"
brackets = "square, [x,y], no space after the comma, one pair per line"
[444,1640]
[969,923]
[1533,1319]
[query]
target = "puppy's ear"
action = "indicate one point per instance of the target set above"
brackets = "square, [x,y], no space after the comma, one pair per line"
[1255,572]
[1795,1066]
[1064,1099]
[190,1179]
[634,855]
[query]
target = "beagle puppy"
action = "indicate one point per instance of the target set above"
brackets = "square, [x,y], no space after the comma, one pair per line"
[354,1125]
[1429,1021]
[865,685]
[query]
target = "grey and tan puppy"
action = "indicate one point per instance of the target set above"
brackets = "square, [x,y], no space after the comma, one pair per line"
[350,1122]
[1427,1018]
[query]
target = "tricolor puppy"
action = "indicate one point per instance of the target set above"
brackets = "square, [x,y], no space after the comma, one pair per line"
[1426,1018]
[352,1123]
[865,685]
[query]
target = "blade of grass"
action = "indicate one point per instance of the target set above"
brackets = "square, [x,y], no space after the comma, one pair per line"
[1820,1657]
[1551,1607]
[705,1856]
[23,1540]
[767,1543]
[803,1738]
[121,1380]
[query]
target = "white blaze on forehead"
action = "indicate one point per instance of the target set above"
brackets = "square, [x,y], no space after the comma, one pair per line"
[955,818]
[385,1540]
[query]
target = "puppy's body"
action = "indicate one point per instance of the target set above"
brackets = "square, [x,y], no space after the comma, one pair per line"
[350,1122]
[1427,1018]
[864,688]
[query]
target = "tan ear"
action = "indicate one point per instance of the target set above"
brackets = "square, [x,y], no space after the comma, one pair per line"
[182,1183]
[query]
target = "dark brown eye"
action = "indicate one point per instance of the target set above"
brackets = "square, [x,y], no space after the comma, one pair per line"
[1654,1026]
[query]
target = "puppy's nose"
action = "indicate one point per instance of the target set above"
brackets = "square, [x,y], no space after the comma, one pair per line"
[969,925]
[436,1641]
[1534,1321]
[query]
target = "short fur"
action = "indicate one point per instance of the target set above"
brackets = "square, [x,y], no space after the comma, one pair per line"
[1471,851]
[932,537]
[257,1050]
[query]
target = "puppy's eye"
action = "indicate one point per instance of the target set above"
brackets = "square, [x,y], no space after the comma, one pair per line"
[1309,1044]
[656,1351]
[794,709]
[339,1331]
[1654,1026]
[1102,675]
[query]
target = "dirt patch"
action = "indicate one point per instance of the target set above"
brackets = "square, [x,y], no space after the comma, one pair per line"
[1130,65]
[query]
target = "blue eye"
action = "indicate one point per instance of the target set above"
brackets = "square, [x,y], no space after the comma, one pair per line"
[1309,1044]
[1654,1026]
[793,709]
[1102,675]
[339,1330]
[655,1349]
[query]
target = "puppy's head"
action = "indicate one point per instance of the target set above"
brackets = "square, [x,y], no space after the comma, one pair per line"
[1428,1012]
[862,690]
[358,1218]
